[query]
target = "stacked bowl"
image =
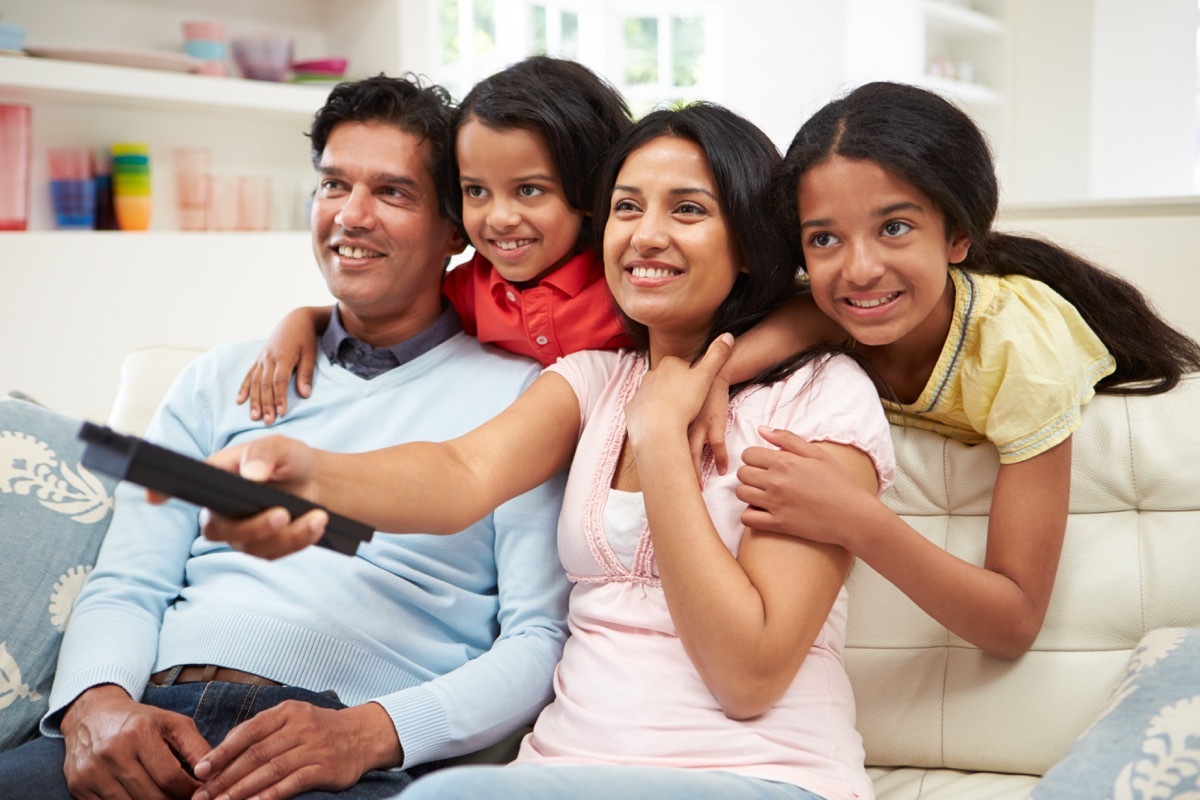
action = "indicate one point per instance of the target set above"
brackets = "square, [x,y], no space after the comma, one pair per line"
[206,41]
[131,185]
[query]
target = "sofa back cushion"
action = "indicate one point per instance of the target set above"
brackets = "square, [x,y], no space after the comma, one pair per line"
[1130,564]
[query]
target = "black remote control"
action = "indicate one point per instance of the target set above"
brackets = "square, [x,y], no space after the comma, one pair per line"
[133,459]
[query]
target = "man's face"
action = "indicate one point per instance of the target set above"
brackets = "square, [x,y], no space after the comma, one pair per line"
[377,232]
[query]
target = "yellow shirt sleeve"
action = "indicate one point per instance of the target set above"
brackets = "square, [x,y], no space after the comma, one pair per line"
[1034,362]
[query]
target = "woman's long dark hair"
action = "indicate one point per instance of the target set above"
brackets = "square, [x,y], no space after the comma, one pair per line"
[928,142]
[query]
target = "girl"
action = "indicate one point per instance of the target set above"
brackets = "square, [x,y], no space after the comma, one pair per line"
[705,658]
[978,335]
[527,144]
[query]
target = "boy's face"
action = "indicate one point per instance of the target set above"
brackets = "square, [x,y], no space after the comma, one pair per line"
[378,233]
[514,209]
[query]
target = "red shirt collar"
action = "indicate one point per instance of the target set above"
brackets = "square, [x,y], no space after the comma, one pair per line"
[570,279]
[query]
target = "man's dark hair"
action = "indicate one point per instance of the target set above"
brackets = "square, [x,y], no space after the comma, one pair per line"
[407,102]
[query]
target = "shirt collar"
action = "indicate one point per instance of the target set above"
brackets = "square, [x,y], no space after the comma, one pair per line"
[443,328]
[570,279]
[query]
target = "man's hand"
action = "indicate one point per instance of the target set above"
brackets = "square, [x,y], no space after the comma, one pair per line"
[120,749]
[296,747]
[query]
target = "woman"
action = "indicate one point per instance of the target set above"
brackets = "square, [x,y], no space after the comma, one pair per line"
[705,658]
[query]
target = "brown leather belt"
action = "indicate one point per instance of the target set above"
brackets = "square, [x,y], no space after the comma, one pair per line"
[206,673]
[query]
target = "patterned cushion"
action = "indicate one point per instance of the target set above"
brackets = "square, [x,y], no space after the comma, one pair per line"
[53,514]
[1146,743]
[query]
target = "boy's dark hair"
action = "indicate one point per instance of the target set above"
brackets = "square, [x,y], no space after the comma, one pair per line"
[576,112]
[411,105]
[933,145]
[743,161]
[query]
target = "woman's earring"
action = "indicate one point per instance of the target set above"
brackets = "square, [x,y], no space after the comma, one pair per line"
[801,275]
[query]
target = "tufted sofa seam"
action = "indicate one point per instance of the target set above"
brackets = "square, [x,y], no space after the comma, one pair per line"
[1137,501]
[946,653]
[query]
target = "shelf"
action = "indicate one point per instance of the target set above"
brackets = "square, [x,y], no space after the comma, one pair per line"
[30,79]
[951,18]
[972,93]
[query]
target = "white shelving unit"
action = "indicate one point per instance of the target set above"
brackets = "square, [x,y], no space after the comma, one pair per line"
[91,296]
[965,49]
[957,48]
[39,80]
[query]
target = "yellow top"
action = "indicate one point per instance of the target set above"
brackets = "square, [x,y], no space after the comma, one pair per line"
[1017,365]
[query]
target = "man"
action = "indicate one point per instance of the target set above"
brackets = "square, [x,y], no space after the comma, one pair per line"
[190,670]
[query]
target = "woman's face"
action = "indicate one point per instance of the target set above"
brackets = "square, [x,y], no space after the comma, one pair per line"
[669,255]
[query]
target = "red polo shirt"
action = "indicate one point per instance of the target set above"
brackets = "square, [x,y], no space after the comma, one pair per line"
[569,310]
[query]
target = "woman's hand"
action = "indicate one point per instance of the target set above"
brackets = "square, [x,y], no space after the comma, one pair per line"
[292,346]
[709,426]
[673,392]
[287,464]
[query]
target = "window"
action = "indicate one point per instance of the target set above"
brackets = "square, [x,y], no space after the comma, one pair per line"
[555,30]
[654,51]
[665,56]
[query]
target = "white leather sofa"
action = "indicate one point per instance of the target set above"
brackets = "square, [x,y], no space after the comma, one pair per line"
[940,719]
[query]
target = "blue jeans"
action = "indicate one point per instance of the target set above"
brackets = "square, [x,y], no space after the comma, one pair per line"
[601,782]
[35,769]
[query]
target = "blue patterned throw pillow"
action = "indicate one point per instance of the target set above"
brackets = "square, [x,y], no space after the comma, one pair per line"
[53,515]
[1146,744]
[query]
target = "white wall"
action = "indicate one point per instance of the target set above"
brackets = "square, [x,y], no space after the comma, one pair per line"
[68,322]
[1143,98]
[1103,99]
[794,63]
[1051,107]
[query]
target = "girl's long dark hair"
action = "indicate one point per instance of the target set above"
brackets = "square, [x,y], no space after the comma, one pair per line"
[933,145]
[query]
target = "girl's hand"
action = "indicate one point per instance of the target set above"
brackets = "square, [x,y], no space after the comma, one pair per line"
[709,426]
[672,394]
[291,347]
[799,490]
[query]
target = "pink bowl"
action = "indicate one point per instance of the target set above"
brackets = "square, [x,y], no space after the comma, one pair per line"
[203,30]
[333,65]
[262,58]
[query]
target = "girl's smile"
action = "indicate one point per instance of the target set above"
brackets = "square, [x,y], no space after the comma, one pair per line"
[877,251]
[514,209]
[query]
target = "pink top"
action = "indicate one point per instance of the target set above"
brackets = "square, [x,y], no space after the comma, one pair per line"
[625,690]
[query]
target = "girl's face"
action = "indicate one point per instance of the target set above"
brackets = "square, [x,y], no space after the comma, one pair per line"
[877,251]
[514,209]
[669,256]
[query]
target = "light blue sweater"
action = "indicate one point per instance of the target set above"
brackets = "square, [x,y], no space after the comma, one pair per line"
[418,623]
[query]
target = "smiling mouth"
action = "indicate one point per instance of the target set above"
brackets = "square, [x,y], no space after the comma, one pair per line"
[873,302]
[512,245]
[346,251]
[653,272]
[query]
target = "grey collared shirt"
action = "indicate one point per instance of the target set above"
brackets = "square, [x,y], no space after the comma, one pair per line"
[368,362]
